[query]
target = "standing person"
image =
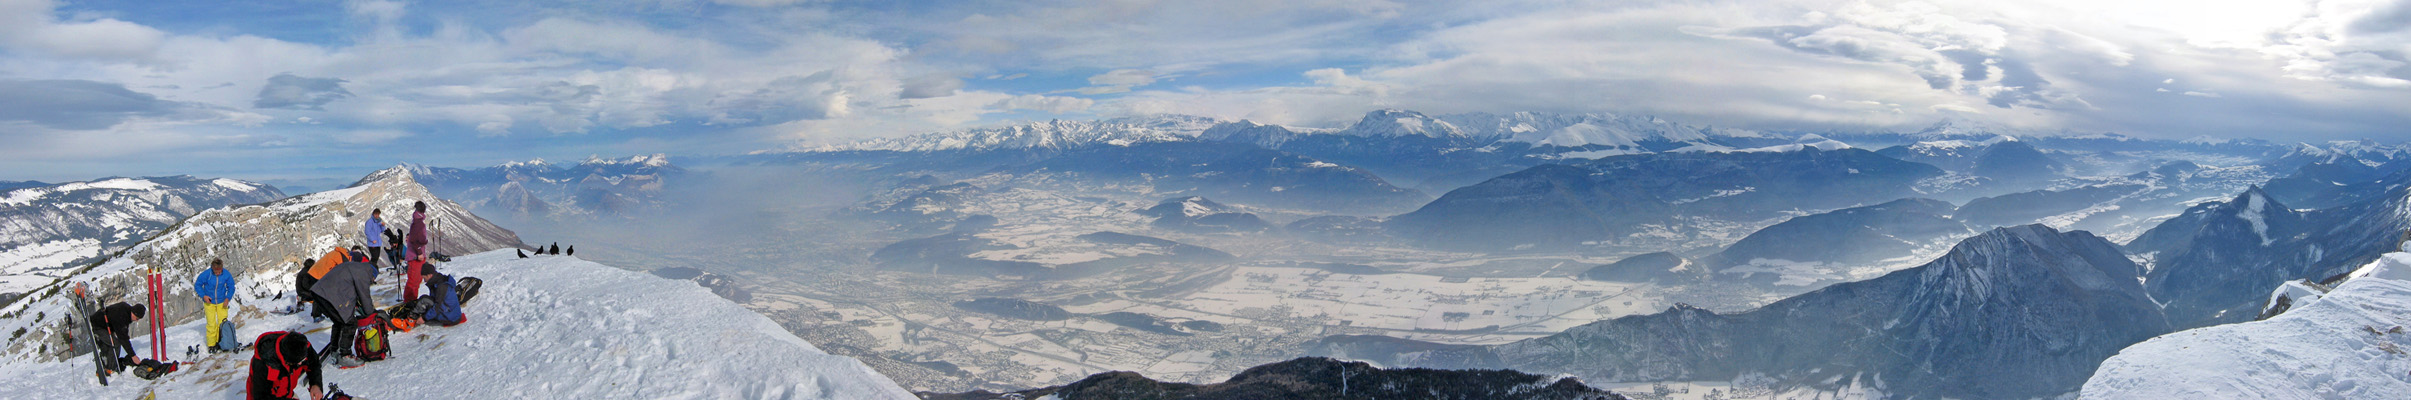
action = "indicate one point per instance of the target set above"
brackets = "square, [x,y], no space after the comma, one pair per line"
[342,295]
[215,287]
[113,320]
[374,229]
[417,242]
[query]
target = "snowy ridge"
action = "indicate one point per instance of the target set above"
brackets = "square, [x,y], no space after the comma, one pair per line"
[656,160]
[2348,344]
[553,327]
[1053,134]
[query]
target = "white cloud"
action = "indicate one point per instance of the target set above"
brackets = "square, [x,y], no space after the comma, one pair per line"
[29,25]
[1044,103]
[372,136]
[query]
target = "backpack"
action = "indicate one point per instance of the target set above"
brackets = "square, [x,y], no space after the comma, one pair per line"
[226,338]
[282,373]
[371,344]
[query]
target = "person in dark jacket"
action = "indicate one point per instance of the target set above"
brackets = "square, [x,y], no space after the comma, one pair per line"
[374,231]
[443,303]
[113,321]
[278,357]
[215,286]
[343,297]
[417,240]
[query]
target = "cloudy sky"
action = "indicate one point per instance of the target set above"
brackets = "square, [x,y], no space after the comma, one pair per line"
[299,88]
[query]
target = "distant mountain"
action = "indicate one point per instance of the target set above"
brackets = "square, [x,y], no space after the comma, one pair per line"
[2020,312]
[1195,214]
[926,209]
[2116,207]
[2347,344]
[2366,152]
[1053,134]
[1649,267]
[1562,206]
[2331,183]
[46,229]
[1448,151]
[1809,249]
[1999,164]
[1828,243]
[2217,262]
[13,185]
[1231,172]
[1315,378]
[596,186]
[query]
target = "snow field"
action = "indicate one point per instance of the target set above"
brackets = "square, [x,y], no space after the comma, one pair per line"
[2340,346]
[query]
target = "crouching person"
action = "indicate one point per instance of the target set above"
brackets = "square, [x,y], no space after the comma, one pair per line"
[443,298]
[279,361]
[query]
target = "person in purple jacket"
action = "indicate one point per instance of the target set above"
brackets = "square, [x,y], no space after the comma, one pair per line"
[417,240]
[375,231]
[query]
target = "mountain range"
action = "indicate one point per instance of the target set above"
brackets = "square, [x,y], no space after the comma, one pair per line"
[45,229]
[1944,329]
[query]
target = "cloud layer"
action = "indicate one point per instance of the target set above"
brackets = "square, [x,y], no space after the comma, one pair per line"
[384,81]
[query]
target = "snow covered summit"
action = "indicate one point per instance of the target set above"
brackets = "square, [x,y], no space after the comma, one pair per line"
[2351,343]
[547,327]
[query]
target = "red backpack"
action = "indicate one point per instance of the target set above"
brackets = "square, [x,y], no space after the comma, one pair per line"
[372,345]
[281,373]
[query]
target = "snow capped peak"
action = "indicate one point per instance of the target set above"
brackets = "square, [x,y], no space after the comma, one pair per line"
[534,163]
[1050,134]
[1397,123]
[405,171]
[1810,141]
[654,160]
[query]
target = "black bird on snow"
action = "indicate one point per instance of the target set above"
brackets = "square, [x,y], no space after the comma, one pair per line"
[522,252]
[573,250]
[555,250]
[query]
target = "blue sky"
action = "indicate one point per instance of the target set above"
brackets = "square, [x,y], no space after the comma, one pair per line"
[323,88]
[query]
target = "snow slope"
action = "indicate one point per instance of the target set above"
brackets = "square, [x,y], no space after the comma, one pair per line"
[553,327]
[2341,346]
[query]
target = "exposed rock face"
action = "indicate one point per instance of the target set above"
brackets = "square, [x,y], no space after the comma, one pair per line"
[1315,378]
[264,244]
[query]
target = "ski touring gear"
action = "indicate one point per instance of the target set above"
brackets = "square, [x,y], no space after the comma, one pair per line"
[372,345]
[153,369]
[85,335]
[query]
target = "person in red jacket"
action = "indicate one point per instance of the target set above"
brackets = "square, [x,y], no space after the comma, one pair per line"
[417,242]
[279,361]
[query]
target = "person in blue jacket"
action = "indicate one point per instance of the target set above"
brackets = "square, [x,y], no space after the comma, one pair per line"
[444,310]
[215,286]
[375,231]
